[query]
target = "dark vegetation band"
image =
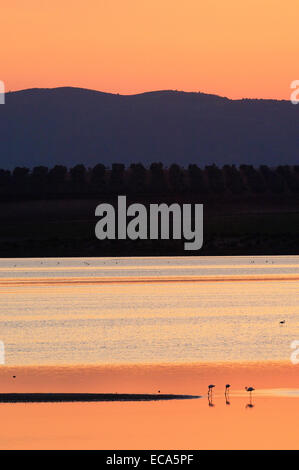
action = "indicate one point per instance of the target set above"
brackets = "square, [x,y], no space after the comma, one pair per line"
[79,181]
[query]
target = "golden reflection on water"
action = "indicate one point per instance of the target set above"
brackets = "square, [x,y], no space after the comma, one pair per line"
[149,323]
[269,423]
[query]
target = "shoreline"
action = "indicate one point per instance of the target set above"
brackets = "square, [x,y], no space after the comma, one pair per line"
[87,397]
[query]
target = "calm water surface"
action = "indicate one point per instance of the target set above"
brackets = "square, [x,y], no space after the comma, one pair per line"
[62,311]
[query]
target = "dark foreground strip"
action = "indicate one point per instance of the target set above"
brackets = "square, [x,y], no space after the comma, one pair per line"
[86,397]
[142,459]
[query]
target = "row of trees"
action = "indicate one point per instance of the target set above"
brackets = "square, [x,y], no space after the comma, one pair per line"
[42,182]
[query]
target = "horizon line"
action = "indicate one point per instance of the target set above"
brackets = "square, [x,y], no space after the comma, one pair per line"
[144,93]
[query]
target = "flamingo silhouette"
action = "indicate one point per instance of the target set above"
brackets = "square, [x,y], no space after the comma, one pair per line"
[250,390]
[210,389]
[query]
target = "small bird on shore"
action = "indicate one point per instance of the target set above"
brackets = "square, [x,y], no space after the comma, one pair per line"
[210,388]
[282,322]
[227,387]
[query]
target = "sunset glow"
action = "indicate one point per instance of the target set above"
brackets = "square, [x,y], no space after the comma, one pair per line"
[231,48]
[149,257]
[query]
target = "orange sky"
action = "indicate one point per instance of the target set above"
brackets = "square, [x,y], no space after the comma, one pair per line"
[235,48]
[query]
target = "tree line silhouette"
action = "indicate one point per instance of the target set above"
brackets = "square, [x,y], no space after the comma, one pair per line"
[79,181]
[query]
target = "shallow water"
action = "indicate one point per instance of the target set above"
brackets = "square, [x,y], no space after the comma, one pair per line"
[268,421]
[148,322]
[157,267]
[144,325]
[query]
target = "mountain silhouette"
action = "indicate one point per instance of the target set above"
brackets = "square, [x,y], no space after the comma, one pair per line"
[73,125]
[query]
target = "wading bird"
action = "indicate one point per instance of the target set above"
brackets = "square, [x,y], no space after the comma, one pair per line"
[250,390]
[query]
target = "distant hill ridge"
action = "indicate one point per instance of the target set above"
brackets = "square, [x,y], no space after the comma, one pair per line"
[74,125]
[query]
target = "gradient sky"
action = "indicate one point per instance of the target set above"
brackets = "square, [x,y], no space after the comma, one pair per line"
[234,48]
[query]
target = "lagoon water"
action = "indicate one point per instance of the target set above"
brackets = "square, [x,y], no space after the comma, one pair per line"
[140,325]
[75,311]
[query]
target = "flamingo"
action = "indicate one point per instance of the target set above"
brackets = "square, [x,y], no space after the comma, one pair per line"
[250,390]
